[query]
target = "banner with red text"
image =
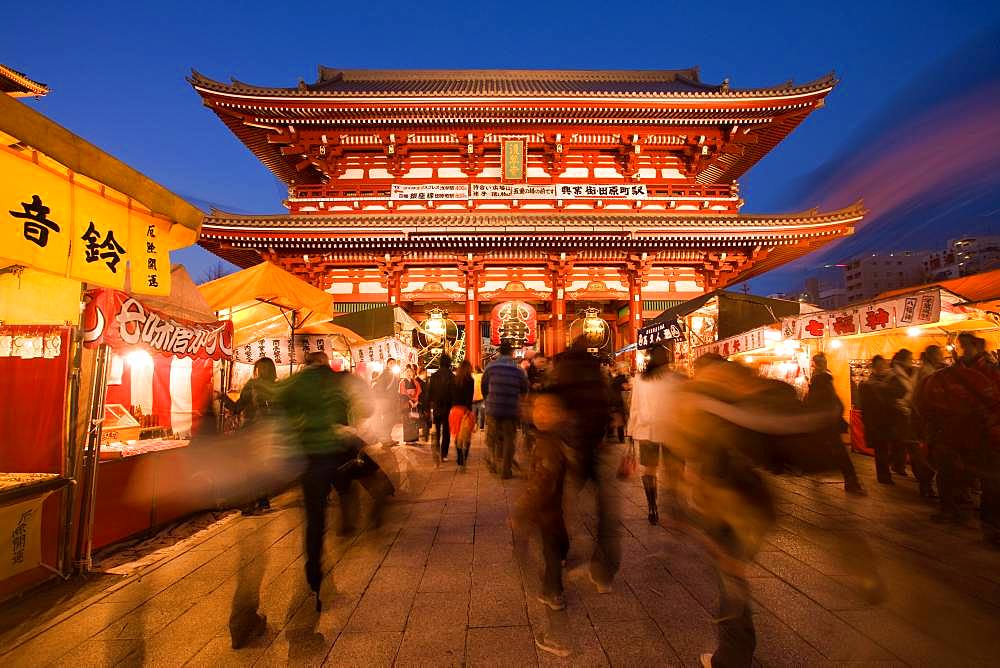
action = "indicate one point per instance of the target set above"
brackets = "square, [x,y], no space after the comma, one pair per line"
[121,321]
[921,308]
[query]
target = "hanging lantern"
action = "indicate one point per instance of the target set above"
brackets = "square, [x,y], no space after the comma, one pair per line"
[514,322]
[593,328]
[438,335]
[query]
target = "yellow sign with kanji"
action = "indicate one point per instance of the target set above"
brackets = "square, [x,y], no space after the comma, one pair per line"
[35,219]
[76,229]
[101,242]
[150,270]
[21,537]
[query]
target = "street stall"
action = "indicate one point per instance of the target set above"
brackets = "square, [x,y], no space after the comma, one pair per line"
[387,332]
[276,315]
[74,217]
[713,317]
[850,337]
[160,373]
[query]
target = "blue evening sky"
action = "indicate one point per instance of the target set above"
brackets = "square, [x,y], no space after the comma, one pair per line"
[117,69]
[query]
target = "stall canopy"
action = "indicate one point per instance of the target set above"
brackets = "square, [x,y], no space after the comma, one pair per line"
[737,312]
[975,289]
[265,301]
[378,322]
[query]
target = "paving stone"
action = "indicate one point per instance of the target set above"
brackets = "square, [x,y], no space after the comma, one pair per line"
[834,638]
[635,643]
[365,649]
[434,611]
[509,647]
[828,592]
[497,607]
[381,611]
[440,647]
[902,639]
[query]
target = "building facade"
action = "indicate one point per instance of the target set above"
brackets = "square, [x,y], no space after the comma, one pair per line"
[869,275]
[963,257]
[463,189]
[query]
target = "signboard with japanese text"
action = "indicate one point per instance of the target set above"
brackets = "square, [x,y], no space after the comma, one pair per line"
[100,241]
[36,216]
[67,228]
[380,350]
[122,321]
[21,537]
[281,351]
[513,160]
[150,256]
[519,191]
[428,191]
[906,311]
[659,332]
[630,191]
[750,341]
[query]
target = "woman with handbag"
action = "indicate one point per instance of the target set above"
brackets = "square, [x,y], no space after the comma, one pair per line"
[651,405]
[409,392]
[461,421]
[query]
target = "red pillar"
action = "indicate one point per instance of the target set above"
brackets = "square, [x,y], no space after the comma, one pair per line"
[472,335]
[634,305]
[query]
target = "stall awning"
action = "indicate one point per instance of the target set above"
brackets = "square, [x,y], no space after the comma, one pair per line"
[737,312]
[975,289]
[378,322]
[262,300]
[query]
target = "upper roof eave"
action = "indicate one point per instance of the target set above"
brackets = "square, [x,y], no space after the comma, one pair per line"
[441,220]
[523,84]
[20,84]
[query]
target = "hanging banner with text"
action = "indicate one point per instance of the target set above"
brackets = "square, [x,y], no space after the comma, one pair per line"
[122,321]
[51,223]
[281,351]
[21,537]
[381,350]
[746,342]
[906,311]
[660,332]
[525,191]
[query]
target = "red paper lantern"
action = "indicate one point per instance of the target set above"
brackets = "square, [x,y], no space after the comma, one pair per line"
[514,321]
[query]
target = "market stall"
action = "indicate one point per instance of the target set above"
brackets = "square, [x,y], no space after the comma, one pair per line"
[386,332]
[160,371]
[276,315]
[76,217]
[850,337]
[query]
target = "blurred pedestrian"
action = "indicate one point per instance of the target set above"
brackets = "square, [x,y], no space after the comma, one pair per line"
[440,388]
[321,404]
[504,385]
[461,422]
[579,383]
[822,396]
[877,410]
[620,383]
[424,405]
[653,406]
[477,398]
[386,391]
[962,403]
[902,383]
[256,404]
[409,393]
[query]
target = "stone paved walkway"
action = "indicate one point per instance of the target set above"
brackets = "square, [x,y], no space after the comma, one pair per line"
[445,583]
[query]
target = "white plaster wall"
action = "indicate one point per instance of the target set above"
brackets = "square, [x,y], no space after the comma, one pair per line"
[340,287]
[419,173]
[379,173]
[372,287]
[352,173]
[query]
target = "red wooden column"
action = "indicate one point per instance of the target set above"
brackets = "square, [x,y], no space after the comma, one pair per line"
[559,267]
[471,267]
[392,269]
[636,270]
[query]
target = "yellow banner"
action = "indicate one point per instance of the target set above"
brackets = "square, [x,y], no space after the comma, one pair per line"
[101,243]
[52,224]
[36,225]
[150,271]
[20,537]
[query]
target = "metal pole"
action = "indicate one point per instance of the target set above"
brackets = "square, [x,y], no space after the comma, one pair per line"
[72,449]
[92,455]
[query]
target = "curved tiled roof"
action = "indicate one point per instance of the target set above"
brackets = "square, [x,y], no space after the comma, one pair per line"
[533,220]
[336,83]
[16,84]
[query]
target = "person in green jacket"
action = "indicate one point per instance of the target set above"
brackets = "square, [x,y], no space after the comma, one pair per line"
[321,406]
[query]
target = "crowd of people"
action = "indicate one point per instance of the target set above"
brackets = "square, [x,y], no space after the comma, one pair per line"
[703,444]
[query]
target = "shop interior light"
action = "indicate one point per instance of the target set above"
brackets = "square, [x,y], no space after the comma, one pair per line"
[377,367]
[913,331]
[139,359]
[748,359]
[836,343]
[772,335]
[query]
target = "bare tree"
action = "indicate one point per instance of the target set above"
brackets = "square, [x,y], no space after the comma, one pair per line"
[217,270]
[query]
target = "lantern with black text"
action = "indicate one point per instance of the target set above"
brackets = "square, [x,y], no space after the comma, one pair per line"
[514,322]
[593,328]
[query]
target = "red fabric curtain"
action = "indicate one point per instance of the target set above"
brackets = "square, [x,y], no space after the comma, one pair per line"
[33,406]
